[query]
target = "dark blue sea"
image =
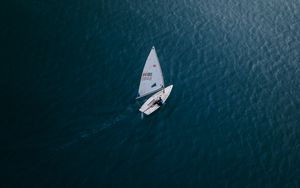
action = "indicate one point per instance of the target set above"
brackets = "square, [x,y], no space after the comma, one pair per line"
[70,72]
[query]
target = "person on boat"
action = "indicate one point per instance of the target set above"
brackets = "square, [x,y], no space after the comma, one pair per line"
[159,102]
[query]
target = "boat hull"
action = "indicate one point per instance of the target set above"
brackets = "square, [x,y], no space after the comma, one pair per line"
[149,107]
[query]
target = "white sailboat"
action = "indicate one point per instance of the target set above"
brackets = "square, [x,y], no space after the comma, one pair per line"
[152,81]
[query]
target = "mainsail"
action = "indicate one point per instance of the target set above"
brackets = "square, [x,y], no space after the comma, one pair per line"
[152,78]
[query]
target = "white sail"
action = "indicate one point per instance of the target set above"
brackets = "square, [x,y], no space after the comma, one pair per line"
[152,78]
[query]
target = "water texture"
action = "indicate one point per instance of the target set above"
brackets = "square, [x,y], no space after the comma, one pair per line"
[70,72]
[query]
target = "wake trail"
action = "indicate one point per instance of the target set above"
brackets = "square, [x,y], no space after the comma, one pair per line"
[98,128]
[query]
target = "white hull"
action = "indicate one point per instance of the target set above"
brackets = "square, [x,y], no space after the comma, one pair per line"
[148,107]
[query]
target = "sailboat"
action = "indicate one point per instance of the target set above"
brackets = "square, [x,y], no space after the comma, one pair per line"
[152,81]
